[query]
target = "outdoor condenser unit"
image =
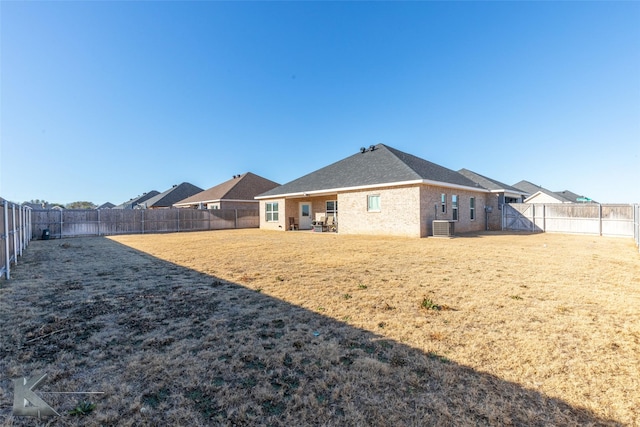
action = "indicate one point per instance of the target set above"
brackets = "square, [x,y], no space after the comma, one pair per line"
[443,228]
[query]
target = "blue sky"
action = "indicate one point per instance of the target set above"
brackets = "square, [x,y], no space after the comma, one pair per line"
[102,101]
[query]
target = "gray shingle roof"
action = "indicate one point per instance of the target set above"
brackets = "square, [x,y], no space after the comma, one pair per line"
[488,183]
[131,203]
[532,189]
[243,187]
[172,195]
[571,196]
[382,165]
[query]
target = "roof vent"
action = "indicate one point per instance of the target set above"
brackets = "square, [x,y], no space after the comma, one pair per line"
[362,149]
[372,147]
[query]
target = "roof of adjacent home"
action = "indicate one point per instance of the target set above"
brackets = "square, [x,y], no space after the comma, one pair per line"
[530,188]
[240,187]
[376,166]
[172,195]
[489,183]
[129,204]
[572,197]
[565,196]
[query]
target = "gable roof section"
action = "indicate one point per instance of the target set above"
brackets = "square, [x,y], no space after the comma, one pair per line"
[573,197]
[244,187]
[533,189]
[489,183]
[379,166]
[172,195]
[131,203]
[106,205]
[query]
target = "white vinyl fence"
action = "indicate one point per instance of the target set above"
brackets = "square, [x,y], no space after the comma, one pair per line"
[61,223]
[15,232]
[636,224]
[578,218]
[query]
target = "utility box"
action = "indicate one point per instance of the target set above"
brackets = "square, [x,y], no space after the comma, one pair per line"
[443,228]
[45,234]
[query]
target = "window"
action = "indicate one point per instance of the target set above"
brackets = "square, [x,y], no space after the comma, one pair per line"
[454,207]
[331,207]
[373,203]
[443,201]
[472,208]
[272,212]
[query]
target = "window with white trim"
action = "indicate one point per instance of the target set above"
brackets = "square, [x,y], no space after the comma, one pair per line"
[454,207]
[331,207]
[373,203]
[472,208]
[443,202]
[271,210]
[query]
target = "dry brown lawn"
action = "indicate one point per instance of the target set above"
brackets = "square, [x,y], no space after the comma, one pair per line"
[249,327]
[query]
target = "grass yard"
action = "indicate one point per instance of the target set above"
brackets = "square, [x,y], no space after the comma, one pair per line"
[249,327]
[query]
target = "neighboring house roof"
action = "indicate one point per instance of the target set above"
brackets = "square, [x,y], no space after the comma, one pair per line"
[377,166]
[534,191]
[106,205]
[489,183]
[171,196]
[573,197]
[530,188]
[131,203]
[241,187]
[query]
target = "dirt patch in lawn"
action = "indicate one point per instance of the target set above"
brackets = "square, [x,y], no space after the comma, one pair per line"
[293,328]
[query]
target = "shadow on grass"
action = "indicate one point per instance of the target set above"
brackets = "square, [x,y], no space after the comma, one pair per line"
[171,346]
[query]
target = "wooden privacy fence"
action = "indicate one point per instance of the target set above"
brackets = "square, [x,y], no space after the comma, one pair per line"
[15,232]
[104,222]
[590,218]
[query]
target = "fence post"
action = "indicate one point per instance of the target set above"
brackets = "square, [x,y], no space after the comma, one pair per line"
[5,233]
[142,219]
[61,222]
[29,226]
[20,230]
[600,219]
[15,233]
[98,222]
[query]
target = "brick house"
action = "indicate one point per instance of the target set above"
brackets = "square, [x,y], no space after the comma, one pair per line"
[236,193]
[381,191]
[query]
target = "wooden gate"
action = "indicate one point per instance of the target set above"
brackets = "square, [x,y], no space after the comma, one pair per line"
[522,217]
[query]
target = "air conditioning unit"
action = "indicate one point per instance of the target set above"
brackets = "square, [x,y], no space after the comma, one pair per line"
[443,228]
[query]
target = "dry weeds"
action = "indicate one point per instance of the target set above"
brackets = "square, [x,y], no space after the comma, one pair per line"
[294,328]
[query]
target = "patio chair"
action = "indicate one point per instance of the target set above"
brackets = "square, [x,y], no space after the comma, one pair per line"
[292,224]
[329,223]
[319,219]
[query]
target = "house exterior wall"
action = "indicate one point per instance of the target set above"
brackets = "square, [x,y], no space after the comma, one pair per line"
[399,213]
[431,209]
[543,198]
[283,214]
[404,211]
[238,204]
